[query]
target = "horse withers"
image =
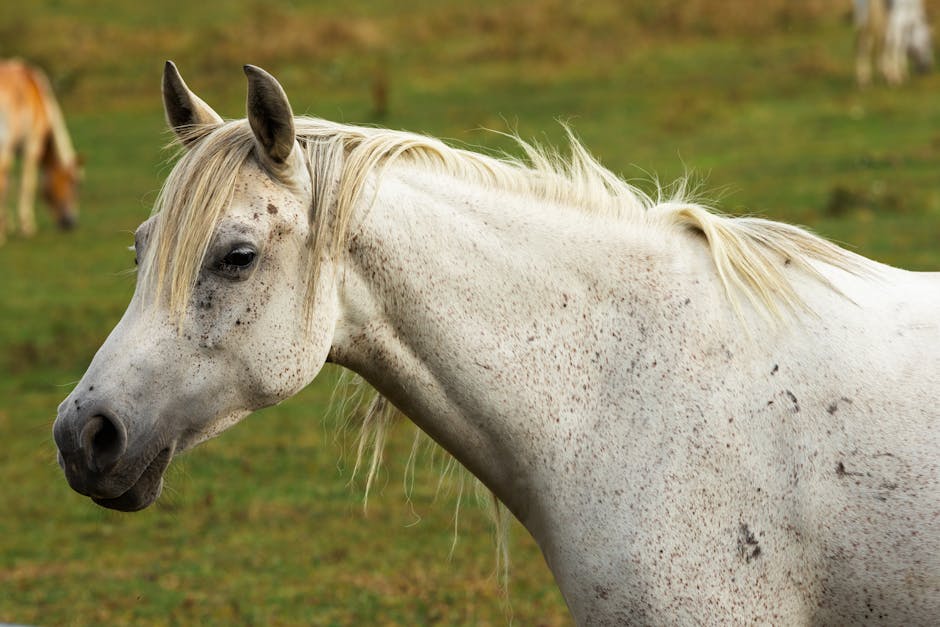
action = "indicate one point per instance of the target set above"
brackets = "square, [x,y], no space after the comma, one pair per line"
[700,419]
[32,127]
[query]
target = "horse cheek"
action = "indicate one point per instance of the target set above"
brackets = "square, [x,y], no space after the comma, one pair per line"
[282,359]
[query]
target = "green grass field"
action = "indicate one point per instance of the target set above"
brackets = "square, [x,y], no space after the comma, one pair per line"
[260,525]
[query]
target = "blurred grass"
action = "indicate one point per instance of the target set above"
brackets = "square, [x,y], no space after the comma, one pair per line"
[259,525]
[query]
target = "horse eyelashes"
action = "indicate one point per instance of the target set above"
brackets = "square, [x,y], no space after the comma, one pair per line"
[240,257]
[237,261]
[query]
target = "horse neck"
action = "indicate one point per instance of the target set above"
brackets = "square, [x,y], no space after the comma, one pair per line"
[52,157]
[59,148]
[61,144]
[476,311]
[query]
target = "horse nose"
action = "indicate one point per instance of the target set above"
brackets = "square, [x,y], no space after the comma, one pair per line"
[101,442]
[68,222]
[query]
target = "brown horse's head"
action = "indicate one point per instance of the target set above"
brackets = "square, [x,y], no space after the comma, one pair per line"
[60,182]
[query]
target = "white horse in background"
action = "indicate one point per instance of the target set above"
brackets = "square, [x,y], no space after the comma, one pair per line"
[889,35]
[700,419]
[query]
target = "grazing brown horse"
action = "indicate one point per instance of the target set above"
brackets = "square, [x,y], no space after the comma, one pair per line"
[31,125]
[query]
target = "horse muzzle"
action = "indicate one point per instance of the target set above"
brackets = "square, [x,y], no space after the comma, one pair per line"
[93,452]
[68,221]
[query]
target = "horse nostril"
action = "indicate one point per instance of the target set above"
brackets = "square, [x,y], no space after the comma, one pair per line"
[103,441]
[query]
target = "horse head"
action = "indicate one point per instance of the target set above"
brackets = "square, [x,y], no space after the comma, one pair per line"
[60,183]
[220,323]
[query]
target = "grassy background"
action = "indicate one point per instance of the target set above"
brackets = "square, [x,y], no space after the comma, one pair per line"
[259,526]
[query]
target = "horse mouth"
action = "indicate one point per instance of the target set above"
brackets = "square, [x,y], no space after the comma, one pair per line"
[145,490]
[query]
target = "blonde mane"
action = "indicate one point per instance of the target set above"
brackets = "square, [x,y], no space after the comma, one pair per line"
[750,254]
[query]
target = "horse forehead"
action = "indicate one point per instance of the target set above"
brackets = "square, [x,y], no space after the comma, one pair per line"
[256,191]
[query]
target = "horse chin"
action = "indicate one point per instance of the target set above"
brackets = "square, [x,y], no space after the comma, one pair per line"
[145,491]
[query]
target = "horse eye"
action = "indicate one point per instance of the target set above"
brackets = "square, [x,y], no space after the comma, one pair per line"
[239,258]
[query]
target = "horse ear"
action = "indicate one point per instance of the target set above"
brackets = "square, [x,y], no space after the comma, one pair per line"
[270,115]
[183,108]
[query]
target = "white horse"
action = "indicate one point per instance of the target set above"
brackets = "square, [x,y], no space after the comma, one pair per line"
[889,33]
[700,419]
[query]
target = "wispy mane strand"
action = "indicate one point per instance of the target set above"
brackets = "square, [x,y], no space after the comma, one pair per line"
[749,253]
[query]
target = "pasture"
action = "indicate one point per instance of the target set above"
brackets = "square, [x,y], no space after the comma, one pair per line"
[259,525]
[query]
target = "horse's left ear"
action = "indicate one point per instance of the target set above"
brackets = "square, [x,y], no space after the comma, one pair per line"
[270,115]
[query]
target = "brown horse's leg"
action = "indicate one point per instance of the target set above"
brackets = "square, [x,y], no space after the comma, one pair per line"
[3,208]
[30,167]
[6,160]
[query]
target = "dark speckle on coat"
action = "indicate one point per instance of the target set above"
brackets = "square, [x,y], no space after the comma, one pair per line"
[748,546]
